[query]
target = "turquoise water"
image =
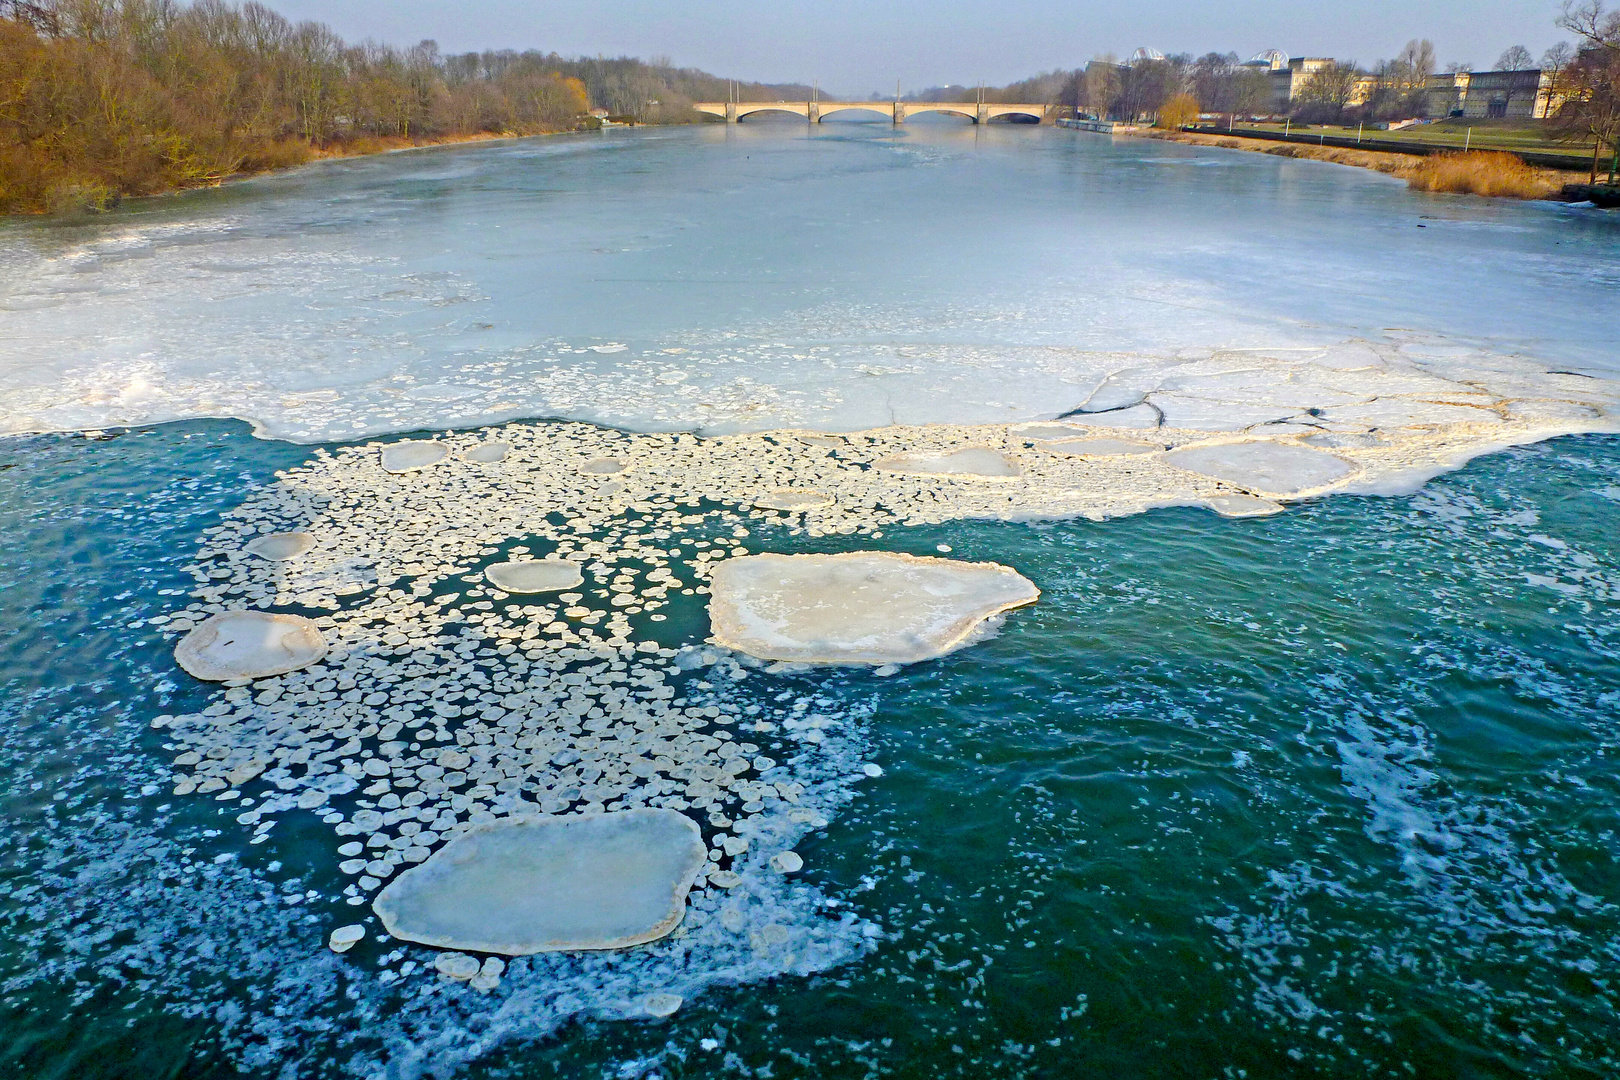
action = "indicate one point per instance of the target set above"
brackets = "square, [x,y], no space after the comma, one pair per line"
[1329,793]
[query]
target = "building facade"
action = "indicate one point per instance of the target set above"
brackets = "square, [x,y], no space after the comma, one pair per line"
[1494,95]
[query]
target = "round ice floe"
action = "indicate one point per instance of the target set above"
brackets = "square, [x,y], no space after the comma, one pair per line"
[787,862]
[1262,467]
[661,1005]
[1097,447]
[404,457]
[345,938]
[487,453]
[1242,506]
[279,547]
[249,645]
[550,884]
[861,607]
[541,575]
[794,499]
[969,461]
[603,466]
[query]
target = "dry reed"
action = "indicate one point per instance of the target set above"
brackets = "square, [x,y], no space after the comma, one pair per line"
[1483,172]
[1479,172]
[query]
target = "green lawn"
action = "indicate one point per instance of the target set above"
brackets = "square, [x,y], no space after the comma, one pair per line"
[1522,135]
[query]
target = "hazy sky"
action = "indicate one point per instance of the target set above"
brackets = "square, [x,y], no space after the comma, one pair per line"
[854,48]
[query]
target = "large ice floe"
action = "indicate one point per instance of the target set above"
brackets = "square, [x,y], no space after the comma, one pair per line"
[249,645]
[861,607]
[451,720]
[550,884]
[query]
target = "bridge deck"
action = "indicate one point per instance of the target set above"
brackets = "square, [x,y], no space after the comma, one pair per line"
[816,111]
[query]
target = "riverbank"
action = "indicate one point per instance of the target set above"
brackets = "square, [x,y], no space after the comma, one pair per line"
[1486,173]
[79,196]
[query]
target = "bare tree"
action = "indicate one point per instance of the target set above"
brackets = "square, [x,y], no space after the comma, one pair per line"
[1329,89]
[1557,58]
[1514,58]
[1415,64]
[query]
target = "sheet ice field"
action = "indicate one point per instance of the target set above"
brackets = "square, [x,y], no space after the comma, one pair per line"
[747,603]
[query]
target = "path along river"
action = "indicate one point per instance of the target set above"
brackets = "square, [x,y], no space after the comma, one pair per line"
[1329,792]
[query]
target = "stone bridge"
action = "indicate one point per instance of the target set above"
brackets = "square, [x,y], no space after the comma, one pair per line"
[817,111]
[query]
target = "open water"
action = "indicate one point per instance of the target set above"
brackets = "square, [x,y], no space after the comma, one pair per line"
[1330,793]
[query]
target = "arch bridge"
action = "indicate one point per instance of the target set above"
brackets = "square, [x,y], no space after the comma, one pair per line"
[817,111]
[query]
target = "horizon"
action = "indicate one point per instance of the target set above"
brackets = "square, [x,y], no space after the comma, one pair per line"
[848,51]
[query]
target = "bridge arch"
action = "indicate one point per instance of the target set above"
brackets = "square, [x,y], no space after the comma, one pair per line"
[966,111]
[772,112]
[833,108]
[790,108]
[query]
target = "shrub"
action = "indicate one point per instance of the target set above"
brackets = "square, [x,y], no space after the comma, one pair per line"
[1482,172]
[1178,112]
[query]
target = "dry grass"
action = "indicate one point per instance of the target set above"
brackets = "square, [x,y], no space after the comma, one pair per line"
[1484,172]
[1476,173]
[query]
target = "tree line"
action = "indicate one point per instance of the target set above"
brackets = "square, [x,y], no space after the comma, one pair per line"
[101,99]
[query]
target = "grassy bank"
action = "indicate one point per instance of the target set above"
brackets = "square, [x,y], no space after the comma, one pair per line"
[1515,136]
[1477,172]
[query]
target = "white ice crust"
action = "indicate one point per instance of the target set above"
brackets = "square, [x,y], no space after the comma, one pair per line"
[793,499]
[550,884]
[535,576]
[249,645]
[976,461]
[1097,447]
[486,453]
[404,457]
[861,607]
[1263,467]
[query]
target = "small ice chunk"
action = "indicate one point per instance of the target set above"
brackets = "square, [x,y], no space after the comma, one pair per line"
[1263,467]
[793,499]
[603,466]
[787,862]
[279,547]
[404,457]
[486,453]
[969,461]
[872,770]
[540,575]
[1097,447]
[345,938]
[547,884]
[1242,506]
[457,965]
[661,1005]
[249,645]
[860,607]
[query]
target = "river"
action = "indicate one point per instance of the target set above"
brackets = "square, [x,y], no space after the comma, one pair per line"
[1327,792]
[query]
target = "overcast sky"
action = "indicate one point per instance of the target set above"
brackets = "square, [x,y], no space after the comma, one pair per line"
[855,48]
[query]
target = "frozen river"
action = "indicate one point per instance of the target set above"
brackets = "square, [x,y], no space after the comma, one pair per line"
[1327,790]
